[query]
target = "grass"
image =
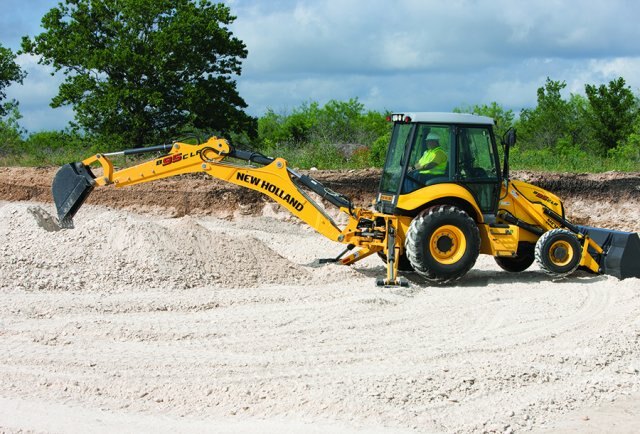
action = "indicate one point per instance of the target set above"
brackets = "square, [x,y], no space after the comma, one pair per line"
[328,157]
[548,161]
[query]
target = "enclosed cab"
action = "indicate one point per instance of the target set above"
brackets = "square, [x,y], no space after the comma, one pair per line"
[467,145]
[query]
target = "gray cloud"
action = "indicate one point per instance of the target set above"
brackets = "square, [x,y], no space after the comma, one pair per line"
[428,55]
[35,94]
[399,55]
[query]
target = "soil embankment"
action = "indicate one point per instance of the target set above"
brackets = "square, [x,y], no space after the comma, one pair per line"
[609,200]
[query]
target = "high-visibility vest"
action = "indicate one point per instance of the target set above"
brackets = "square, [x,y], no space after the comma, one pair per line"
[436,155]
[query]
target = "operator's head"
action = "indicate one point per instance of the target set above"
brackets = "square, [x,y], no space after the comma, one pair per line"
[432,140]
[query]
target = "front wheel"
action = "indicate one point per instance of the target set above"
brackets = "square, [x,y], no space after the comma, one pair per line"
[442,243]
[558,252]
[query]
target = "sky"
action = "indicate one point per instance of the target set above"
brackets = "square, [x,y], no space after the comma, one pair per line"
[400,55]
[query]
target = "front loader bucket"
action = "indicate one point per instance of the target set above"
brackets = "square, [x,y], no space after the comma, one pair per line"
[71,187]
[622,251]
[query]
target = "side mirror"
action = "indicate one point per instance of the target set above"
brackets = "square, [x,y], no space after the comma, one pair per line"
[509,141]
[509,138]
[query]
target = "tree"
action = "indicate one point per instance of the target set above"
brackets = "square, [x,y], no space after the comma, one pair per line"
[503,118]
[139,70]
[613,112]
[9,72]
[347,122]
[545,125]
[337,123]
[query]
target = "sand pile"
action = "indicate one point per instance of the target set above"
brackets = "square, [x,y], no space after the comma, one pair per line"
[106,251]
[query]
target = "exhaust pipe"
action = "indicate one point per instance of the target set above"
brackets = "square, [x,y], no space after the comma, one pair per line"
[621,251]
[71,186]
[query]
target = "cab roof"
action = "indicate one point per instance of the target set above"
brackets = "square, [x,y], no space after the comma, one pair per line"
[444,118]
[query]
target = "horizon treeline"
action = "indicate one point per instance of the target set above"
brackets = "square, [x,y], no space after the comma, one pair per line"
[593,133]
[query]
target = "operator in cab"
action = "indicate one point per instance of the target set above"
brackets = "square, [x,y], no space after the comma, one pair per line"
[432,164]
[434,159]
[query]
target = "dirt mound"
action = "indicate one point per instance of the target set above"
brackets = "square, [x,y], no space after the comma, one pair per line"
[107,252]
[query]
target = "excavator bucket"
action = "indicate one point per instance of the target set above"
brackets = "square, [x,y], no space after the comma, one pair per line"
[621,251]
[71,186]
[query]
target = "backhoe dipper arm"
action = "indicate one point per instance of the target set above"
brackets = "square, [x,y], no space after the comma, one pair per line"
[75,181]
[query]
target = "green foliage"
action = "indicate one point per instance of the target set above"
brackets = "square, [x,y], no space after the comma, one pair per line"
[321,156]
[570,160]
[348,122]
[338,133]
[504,118]
[379,149]
[579,130]
[10,131]
[138,71]
[613,112]
[543,126]
[9,72]
[337,122]
[48,148]
[580,153]
[629,149]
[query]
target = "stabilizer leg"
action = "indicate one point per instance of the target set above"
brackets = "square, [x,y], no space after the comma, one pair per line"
[393,253]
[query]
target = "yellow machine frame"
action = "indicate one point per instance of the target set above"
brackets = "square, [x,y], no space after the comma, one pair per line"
[383,233]
[272,180]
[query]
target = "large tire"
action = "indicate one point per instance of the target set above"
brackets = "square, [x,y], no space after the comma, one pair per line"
[442,243]
[523,259]
[403,263]
[558,252]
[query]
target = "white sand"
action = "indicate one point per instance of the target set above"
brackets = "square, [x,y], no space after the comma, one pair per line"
[133,323]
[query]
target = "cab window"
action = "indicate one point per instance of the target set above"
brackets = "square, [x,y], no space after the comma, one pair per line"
[476,166]
[476,158]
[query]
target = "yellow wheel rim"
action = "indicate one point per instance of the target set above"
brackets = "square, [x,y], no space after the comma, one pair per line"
[447,244]
[560,253]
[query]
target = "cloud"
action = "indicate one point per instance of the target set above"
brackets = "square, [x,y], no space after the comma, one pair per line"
[428,54]
[400,55]
[35,94]
[376,37]
[19,18]
[609,69]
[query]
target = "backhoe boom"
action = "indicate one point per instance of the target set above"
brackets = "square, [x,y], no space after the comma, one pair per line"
[365,229]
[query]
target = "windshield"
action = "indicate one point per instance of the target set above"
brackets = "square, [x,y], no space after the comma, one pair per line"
[392,173]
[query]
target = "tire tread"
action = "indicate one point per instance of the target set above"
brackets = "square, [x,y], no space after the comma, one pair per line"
[416,236]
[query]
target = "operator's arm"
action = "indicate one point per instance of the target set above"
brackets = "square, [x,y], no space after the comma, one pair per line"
[427,166]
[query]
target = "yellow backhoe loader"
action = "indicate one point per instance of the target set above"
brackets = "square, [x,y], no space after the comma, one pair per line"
[443,199]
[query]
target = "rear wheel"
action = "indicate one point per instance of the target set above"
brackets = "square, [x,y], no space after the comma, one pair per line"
[523,259]
[442,243]
[558,252]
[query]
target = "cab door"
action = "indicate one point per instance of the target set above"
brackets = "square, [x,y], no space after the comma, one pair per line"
[477,165]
